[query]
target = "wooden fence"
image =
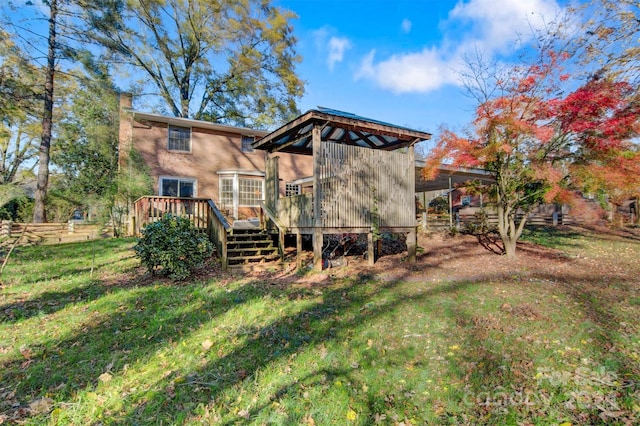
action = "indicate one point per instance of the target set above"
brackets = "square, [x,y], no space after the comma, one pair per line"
[50,233]
[444,221]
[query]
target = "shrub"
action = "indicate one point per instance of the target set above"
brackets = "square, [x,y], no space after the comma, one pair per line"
[174,245]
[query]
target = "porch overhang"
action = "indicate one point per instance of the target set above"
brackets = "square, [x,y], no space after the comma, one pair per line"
[449,177]
[339,127]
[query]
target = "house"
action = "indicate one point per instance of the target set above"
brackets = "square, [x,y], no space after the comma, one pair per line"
[200,159]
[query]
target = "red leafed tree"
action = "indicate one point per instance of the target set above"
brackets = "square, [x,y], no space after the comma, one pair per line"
[538,147]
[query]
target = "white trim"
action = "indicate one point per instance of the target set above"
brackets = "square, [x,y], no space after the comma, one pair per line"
[305,181]
[178,178]
[235,177]
[241,172]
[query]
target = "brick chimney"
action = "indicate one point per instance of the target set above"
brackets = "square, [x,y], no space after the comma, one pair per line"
[126,100]
[125,133]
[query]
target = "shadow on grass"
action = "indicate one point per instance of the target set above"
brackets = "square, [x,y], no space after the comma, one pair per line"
[334,319]
[51,302]
[557,237]
[144,320]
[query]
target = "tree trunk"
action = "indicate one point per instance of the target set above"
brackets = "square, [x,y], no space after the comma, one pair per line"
[509,230]
[39,215]
[509,247]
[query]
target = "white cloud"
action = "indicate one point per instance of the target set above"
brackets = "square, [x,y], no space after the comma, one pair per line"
[406,26]
[337,46]
[497,24]
[491,26]
[414,72]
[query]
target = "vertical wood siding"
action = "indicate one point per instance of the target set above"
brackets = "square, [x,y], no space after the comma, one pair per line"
[271,183]
[296,211]
[355,181]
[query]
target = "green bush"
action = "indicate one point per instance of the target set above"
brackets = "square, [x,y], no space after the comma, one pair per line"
[174,245]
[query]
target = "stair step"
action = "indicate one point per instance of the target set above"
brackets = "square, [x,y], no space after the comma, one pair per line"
[248,231]
[234,260]
[251,247]
[255,252]
[245,242]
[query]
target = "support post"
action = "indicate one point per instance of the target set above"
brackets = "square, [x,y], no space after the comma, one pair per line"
[317,249]
[450,205]
[371,260]
[281,244]
[411,245]
[317,199]
[298,250]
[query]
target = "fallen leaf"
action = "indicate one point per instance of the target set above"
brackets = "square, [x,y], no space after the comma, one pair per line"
[206,345]
[26,352]
[171,391]
[41,406]
[105,377]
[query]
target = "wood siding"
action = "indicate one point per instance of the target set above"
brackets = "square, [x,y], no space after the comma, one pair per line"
[354,182]
[296,211]
[271,185]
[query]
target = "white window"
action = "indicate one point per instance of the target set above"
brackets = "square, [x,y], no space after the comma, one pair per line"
[179,139]
[250,192]
[226,192]
[240,189]
[177,187]
[465,200]
[246,143]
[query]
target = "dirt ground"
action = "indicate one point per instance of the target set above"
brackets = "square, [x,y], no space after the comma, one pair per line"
[462,258]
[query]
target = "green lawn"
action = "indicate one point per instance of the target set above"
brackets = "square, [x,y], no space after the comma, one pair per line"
[115,346]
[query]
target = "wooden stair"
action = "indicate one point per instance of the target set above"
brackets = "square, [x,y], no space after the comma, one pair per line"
[250,247]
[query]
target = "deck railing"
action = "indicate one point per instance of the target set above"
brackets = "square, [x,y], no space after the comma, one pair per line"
[269,219]
[218,229]
[296,211]
[203,212]
[152,208]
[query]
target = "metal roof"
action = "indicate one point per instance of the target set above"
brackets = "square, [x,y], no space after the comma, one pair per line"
[200,124]
[339,127]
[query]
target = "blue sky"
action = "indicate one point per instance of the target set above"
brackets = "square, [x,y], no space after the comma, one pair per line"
[398,61]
